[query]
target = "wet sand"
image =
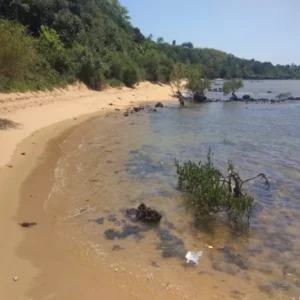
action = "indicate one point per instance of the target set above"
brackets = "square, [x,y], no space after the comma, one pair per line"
[46,266]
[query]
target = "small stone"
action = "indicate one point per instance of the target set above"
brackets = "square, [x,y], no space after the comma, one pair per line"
[210,247]
[16,278]
[23,153]
[116,269]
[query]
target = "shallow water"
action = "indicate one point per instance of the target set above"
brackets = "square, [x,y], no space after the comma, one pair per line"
[107,168]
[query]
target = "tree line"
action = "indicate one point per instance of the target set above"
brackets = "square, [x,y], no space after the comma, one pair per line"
[47,43]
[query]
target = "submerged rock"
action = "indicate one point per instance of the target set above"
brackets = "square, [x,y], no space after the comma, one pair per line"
[128,230]
[223,267]
[171,245]
[275,286]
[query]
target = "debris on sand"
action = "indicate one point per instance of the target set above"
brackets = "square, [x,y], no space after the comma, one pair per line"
[117,248]
[28,224]
[193,257]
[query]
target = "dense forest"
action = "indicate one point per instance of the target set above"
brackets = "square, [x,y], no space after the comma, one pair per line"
[46,43]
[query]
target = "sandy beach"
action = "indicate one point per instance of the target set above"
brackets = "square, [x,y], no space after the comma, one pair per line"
[33,125]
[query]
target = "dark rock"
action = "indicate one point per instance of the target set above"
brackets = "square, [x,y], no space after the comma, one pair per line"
[126,114]
[137,109]
[110,104]
[28,224]
[23,153]
[269,92]
[99,221]
[145,213]
[297,98]
[112,218]
[246,97]
[199,98]
[159,104]
[117,109]
[272,101]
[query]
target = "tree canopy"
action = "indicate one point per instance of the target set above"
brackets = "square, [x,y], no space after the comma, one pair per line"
[94,41]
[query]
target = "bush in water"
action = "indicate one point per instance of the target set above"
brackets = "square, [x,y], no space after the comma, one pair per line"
[209,192]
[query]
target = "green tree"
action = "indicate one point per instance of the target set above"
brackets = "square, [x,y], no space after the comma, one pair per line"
[230,86]
[16,53]
[197,84]
[130,76]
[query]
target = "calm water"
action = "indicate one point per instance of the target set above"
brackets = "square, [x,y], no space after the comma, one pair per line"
[106,169]
[259,89]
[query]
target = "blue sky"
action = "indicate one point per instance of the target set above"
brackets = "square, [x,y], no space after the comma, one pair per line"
[266,30]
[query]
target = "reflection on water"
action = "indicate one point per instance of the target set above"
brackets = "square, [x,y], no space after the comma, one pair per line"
[127,164]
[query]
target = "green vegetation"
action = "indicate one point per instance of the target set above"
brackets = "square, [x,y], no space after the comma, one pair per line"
[232,85]
[46,43]
[196,83]
[209,192]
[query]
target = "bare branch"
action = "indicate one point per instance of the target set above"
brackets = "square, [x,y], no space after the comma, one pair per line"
[262,176]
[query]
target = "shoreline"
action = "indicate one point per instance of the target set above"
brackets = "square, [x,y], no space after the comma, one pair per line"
[42,152]
[23,115]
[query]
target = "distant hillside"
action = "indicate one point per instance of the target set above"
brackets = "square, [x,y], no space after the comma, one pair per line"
[45,43]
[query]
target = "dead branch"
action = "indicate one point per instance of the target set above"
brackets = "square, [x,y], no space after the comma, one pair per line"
[262,176]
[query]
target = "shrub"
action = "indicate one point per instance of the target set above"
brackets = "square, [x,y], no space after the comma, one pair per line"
[209,192]
[115,82]
[196,83]
[232,85]
[130,76]
[16,51]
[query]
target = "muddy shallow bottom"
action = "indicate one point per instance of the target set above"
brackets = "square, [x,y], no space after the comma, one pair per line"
[108,167]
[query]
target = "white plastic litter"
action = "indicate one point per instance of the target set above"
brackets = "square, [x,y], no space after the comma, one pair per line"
[193,257]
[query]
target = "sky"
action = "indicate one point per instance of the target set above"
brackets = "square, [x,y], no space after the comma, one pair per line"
[266,30]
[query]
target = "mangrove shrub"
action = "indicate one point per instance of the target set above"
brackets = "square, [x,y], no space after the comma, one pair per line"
[209,192]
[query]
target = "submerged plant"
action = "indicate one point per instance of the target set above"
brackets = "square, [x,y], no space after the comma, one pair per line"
[209,192]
